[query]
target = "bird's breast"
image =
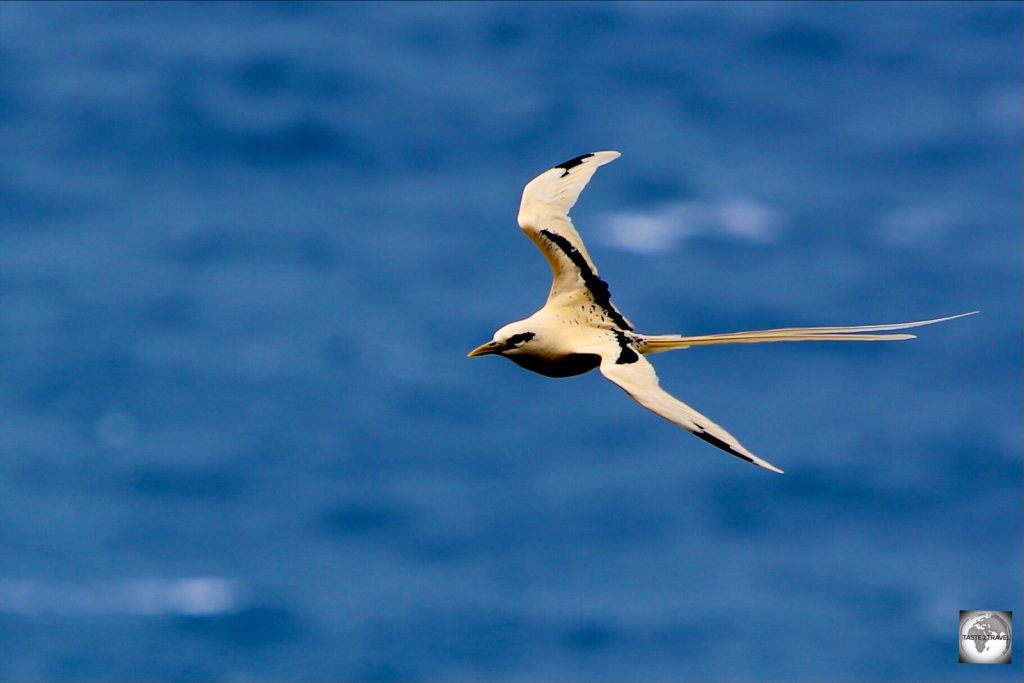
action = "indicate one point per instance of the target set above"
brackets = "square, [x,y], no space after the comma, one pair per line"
[568,365]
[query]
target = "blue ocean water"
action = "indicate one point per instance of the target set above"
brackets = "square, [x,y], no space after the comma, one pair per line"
[245,247]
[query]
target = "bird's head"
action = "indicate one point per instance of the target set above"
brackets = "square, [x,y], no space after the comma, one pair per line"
[512,339]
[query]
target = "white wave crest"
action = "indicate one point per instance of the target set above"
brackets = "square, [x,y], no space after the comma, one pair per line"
[193,596]
[737,219]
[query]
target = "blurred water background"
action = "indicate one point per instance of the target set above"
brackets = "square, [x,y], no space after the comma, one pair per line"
[244,249]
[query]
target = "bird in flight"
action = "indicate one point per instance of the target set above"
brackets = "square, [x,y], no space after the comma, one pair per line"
[579,329]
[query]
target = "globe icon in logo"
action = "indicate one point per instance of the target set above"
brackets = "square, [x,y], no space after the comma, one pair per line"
[985,637]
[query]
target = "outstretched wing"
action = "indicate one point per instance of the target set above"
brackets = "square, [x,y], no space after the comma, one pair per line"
[544,217]
[636,376]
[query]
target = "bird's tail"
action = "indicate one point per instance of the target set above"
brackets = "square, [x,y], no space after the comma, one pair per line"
[667,342]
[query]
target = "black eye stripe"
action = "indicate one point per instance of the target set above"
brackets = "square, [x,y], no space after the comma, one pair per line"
[517,339]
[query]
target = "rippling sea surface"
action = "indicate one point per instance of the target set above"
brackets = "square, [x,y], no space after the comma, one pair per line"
[244,249]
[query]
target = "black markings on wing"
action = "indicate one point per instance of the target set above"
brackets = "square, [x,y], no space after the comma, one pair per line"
[597,287]
[715,441]
[627,355]
[566,166]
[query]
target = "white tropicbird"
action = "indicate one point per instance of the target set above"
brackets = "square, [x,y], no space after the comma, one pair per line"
[579,328]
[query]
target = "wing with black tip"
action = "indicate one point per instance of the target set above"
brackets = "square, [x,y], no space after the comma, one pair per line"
[636,376]
[544,217]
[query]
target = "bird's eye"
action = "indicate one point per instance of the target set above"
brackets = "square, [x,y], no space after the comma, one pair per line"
[517,339]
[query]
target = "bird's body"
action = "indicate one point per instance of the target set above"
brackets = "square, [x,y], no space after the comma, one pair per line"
[579,329]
